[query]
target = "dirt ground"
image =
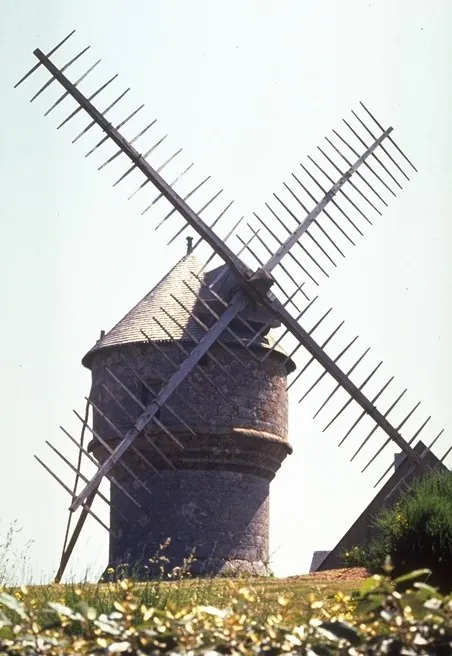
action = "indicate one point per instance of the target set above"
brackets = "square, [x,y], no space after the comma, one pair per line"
[345,574]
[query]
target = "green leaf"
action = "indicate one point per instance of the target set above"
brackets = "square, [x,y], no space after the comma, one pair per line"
[64,611]
[106,626]
[6,632]
[433,603]
[342,631]
[369,585]
[4,621]
[88,611]
[211,610]
[428,589]
[369,604]
[13,604]
[319,650]
[417,573]
[119,647]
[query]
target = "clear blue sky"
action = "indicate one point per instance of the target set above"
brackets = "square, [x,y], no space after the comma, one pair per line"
[248,89]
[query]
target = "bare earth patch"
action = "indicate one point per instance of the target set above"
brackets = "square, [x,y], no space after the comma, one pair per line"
[345,574]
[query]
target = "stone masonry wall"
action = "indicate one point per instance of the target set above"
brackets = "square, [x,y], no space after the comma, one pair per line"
[251,397]
[223,515]
[216,501]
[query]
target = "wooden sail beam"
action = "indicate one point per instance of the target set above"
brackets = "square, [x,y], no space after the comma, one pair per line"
[138,160]
[254,286]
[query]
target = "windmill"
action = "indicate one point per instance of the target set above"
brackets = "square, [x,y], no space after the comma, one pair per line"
[214,328]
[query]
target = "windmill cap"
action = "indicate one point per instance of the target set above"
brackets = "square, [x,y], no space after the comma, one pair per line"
[162,317]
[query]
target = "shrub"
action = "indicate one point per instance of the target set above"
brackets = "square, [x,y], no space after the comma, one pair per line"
[415,533]
[382,622]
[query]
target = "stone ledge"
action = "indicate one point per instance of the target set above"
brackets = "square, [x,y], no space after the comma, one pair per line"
[263,435]
[245,450]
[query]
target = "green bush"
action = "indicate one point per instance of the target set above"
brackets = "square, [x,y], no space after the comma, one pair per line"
[415,533]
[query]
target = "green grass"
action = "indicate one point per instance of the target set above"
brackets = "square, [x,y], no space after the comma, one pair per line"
[304,615]
[180,592]
[267,593]
[299,615]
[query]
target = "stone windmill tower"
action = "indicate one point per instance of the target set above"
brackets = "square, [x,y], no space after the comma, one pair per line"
[213,494]
[189,389]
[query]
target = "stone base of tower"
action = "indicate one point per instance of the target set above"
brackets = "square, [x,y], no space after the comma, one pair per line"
[212,508]
[197,569]
[203,480]
[211,522]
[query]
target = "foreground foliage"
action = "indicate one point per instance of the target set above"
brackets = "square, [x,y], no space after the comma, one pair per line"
[373,620]
[416,532]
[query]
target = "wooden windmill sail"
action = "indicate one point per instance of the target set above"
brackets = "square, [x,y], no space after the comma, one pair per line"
[269,282]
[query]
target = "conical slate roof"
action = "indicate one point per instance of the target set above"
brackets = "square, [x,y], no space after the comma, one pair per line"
[173,322]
